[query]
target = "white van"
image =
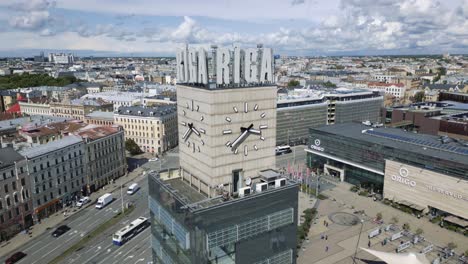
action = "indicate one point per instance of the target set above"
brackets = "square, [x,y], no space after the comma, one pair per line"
[133,188]
[104,200]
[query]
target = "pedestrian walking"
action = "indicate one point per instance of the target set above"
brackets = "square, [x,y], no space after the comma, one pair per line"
[326,248]
[321,236]
[369,244]
[326,237]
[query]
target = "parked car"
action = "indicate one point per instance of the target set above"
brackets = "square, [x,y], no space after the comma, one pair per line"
[83,201]
[15,257]
[60,230]
[153,159]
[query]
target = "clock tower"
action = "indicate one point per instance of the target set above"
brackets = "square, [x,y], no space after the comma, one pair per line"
[227,131]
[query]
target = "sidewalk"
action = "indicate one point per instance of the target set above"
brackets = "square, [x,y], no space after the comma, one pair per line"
[437,235]
[7,247]
[340,243]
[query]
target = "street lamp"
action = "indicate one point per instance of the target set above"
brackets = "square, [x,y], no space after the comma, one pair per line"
[317,186]
[121,196]
[359,238]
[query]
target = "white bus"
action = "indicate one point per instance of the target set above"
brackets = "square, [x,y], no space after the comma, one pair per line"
[126,233]
[280,150]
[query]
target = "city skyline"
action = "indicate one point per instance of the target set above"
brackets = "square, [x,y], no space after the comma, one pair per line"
[296,27]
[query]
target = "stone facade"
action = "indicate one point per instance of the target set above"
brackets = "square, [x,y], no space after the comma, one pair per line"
[206,161]
[154,129]
[105,155]
[15,197]
[57,173]
[31,108]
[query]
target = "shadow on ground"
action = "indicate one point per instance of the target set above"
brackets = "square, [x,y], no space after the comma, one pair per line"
[135,162]
[372,261]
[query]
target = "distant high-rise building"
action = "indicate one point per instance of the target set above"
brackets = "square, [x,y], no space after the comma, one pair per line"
[226,203]
[61,58]
[39,58]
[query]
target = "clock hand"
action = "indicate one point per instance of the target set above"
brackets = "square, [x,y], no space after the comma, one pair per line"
[255,131]
[246,128]
[195,131]
[188,132]
[239,139]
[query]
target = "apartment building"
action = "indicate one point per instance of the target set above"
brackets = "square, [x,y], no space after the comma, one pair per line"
[15,197]
[154,129]
[79,108]
[56,171]
[100,118]
[395,89]
[105,155]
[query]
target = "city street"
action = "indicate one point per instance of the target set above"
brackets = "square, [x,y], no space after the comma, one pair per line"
[297,157]
[101,250]
[45,247]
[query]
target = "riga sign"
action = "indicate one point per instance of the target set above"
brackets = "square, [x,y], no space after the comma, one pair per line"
[225,66]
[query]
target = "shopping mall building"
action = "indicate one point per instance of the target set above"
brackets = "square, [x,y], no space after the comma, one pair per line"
[422,171]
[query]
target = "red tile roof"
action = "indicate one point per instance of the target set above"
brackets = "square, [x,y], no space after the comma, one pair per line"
[14,109]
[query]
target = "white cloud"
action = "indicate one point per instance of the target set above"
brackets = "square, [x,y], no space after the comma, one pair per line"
[32,20]
[33,5]
[356,25]
[297,2]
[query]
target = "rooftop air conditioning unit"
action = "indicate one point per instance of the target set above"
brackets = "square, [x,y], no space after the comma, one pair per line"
[261,187]
[244,191]
[280,182]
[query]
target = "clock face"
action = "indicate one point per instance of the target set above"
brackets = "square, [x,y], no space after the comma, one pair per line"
[192,132]
[240,134]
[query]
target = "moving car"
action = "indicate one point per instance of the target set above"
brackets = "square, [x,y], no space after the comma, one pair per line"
[82,201]
[133,188]
[15,257]
[104,200]
[60,230]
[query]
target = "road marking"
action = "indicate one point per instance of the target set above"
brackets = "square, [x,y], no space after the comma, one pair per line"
[26,249]
[95,255]
[130,250]
[69,239]
[118,254]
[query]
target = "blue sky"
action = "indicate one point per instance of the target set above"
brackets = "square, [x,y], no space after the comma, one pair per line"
[296,27]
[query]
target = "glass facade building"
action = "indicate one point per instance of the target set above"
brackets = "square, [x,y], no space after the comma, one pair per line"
[357,153]
[296,116]
[187,227]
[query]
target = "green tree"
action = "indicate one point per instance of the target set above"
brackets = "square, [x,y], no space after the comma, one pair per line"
[132,147]
[419,96]
[406,226]
[452,245]
[419,231]
[378,216]
[32,80]
[293,83]
[329,84]
[442,71]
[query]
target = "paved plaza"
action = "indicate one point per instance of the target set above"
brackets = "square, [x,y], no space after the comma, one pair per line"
[344,210]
